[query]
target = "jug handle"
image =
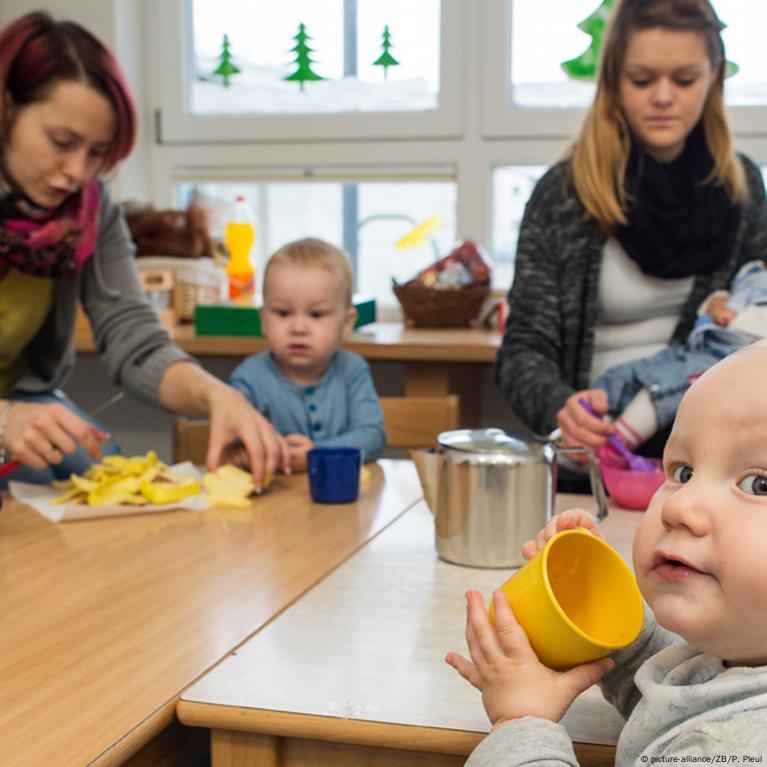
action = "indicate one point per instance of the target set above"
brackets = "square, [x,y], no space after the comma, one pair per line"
[595,477]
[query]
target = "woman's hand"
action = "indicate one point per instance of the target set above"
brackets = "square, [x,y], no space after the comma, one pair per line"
[187,388]
[41,434]
[579,427]
[506,670]
[298,446]
[232,417]
[572,519]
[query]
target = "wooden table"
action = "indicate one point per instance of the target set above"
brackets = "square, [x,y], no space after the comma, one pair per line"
[104,622]
[437,361]
[353,673]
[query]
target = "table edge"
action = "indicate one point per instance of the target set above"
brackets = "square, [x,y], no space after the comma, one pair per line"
[355,732]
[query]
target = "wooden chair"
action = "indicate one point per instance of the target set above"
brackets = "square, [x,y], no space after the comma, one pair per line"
[190,441]
[409,422]
[416,421]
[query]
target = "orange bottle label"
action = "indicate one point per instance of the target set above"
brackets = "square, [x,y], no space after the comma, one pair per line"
[241,285]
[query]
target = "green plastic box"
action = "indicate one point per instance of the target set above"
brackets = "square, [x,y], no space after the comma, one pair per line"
[234,320]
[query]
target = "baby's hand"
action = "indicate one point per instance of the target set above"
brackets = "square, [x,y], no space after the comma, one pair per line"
[298,446]
[718,309]
[506,670]
[571,519]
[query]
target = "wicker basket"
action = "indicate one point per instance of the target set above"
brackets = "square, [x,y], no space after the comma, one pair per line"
[187,295]
[196,281]
[431,308]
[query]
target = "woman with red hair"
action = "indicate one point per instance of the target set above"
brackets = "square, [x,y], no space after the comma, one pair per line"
[66,118]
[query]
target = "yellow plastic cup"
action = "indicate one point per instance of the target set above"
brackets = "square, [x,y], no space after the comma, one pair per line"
[577,600]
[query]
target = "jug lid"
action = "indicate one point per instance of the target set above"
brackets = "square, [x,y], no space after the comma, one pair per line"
[486,441]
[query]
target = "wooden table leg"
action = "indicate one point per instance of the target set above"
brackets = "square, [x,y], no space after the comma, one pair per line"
[426,379]
[244,749]
[465,380]
[436,379]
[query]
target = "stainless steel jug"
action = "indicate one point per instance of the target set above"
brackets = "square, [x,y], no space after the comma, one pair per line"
[490,491]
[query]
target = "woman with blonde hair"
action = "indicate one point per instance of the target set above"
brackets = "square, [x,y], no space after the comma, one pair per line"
[650,212]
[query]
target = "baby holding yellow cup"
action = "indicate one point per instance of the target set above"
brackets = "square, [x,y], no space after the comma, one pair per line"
[577,600]
[693,685]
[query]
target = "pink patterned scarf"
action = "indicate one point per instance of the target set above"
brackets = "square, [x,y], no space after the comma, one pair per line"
[48,243]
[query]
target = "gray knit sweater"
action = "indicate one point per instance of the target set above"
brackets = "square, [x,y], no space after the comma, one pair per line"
[129,338]
[680,705]
[548,343]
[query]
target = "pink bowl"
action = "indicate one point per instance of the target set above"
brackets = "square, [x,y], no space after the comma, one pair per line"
[629,489]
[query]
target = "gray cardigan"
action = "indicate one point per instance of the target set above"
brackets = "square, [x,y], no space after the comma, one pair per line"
[129,338]
[548,343]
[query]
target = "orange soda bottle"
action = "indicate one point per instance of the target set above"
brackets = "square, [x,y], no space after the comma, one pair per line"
[239,238]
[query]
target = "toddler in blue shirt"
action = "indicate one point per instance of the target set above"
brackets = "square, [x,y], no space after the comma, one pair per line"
[313,392]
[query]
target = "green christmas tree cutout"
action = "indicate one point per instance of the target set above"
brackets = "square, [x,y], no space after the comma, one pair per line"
[303,59]
[586,66]
[226,68]
[386,60]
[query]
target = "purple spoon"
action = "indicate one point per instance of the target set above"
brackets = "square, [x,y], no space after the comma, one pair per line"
[635,462]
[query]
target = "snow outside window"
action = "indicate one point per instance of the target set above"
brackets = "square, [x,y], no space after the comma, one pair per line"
[314,56]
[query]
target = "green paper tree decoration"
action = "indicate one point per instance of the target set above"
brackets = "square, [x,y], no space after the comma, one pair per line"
[225,67]
[585,66]
[386,60]
[303,59]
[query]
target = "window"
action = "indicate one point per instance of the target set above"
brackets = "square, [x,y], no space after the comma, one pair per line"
[314,56]
[512,187]
[212,88]
[362,175]
[540,47]
[540,39]
[367,218]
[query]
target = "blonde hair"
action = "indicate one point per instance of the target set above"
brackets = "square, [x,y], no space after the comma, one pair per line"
[318,253]
[601,152]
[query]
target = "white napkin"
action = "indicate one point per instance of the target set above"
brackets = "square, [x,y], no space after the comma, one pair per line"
[40,498]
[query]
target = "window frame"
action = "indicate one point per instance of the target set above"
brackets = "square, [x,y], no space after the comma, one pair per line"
[175,125]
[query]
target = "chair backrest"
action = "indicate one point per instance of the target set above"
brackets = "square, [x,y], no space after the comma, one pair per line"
[409,422]
[416,421]
[190,440]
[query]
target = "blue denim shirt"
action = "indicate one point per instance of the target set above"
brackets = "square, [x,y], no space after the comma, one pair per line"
[668,374]
[339,410]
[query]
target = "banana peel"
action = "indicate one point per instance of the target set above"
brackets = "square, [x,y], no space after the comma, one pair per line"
[230,486]
[169,492]
[130,480]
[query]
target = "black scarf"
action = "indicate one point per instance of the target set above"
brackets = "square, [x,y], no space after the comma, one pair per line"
[678,226]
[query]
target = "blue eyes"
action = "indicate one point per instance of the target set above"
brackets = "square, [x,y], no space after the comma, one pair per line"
[754,484]
[682,474]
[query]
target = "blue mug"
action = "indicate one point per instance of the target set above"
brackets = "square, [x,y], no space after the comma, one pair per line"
[334,474]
